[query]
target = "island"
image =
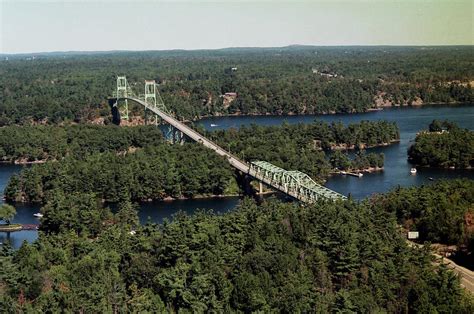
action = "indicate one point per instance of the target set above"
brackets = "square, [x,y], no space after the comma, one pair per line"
[443,145]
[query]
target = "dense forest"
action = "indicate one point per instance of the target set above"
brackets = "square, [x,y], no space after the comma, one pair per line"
[110,160]
[442,212]
[41,143]
[312,148]
[275,257]
[319,134]
[155,172]
[52,88]
[444,145]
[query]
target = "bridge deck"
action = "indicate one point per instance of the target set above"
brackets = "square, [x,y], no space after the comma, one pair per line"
[234,161]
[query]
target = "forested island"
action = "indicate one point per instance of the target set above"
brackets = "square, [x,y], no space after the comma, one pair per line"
[334,257]
[73,87]
[443,145]
[155,172]
[301,145]
[136,162]
[33,144]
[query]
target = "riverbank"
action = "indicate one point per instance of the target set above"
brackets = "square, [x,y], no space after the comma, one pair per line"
[375,108]
[438,167]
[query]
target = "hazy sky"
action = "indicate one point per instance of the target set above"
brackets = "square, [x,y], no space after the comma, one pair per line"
[37,26]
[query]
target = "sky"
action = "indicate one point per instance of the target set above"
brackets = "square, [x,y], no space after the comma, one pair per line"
[86,25]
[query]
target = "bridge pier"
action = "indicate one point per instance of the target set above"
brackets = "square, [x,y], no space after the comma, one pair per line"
[114,110]
[260,187]
[177,136]
[244,182]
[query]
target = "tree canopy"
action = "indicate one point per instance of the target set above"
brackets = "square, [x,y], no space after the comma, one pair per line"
[444,145]
[7,212]
[55,88]
[108,160]
[328,257]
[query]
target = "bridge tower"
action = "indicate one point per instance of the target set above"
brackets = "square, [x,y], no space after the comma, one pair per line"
[150,98]
[123,91]
[153,98]
[153,102]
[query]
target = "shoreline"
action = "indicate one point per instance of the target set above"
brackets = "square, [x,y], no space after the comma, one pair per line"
[343,146]
[439,168]
[224,115]
[357,171]
[368,110]
[165,199]
[20,162]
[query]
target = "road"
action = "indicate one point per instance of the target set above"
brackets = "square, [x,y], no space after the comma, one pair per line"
[466,276]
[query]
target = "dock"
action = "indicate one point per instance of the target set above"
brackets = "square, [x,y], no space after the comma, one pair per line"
[29,227]
[354,174]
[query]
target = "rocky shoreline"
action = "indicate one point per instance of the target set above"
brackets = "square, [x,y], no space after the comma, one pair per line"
[344,146]
[357,171]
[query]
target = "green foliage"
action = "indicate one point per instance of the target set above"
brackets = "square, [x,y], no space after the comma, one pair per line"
[127,215]
[301,147]
[7,212]
[74,87]
[445,145]
[30,143]
[274,257]
[440,212]
[439,126]
[135,163]
[154,172]
[340,160]
[80,212]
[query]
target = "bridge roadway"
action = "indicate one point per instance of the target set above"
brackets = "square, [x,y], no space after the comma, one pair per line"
[234,161]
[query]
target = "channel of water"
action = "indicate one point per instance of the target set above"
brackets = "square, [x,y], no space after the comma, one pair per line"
[397,169]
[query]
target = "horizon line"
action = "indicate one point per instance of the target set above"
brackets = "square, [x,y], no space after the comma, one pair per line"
[229,47]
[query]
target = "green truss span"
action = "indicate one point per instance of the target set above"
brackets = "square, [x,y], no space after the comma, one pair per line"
[294,183]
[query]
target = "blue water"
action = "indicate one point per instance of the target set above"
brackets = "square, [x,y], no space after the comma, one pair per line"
[160,210]
[24,212]
[397,170]
[410,120]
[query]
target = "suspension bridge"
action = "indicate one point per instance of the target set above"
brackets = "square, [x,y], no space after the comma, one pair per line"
[292,183]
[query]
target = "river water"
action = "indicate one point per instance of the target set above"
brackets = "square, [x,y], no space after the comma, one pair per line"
[397,170]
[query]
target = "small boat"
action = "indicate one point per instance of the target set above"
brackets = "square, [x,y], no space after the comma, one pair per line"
[431,179]
[360,174]
[214,125]
[39,215]
[413,170]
